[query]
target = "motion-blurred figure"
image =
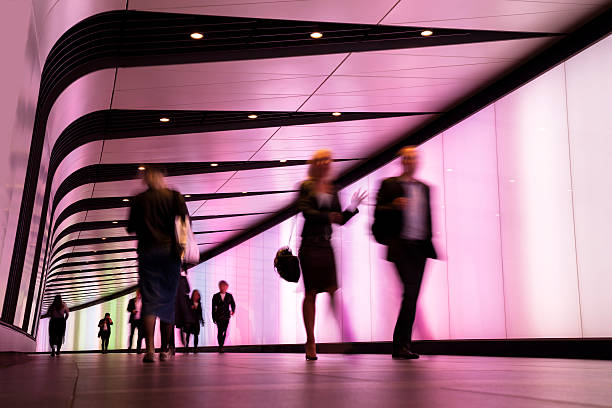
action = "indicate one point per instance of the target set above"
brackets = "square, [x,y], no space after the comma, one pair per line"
[197,320]
[182,313]
[403,223]
[152,217]
[105,331]
[134,308]
[221,313]
[319,203]
[58,313]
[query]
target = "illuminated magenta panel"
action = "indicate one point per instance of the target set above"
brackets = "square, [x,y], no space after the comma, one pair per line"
[475,276]
[538,249]
[589,86]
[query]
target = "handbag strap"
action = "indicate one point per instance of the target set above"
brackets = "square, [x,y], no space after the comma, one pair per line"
[293,226]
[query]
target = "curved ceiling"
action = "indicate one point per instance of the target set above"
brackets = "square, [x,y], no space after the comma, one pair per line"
[246,106]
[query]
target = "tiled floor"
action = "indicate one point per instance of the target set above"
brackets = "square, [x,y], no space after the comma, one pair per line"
[286,380]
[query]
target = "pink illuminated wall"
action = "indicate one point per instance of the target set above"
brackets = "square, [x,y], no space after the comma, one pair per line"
[521,205]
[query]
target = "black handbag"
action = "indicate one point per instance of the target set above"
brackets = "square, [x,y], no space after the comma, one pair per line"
[287,265]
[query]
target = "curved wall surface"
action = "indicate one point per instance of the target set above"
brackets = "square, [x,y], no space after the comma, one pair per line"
[520,200]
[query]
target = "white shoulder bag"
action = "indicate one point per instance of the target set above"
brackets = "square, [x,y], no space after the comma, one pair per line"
[186,239]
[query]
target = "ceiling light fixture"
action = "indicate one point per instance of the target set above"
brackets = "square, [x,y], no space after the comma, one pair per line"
[252,116]
[103,238]
[214,164]
[197,36]
[283,160]
[244,192]
[187,195]
[125,200]
[316,35]
[426,33]
[115,222]
[165,120]
[336,114]
[141,168]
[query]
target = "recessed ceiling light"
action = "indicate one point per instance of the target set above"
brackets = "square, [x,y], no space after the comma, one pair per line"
[115,222]
[164,120]
[187,195]
[336,114]
[252,116]
[316,35]
[283,160]
[214,164]
[125,200]
[197,36]
[426,33]
[103,238]
[141,168]
[244,192]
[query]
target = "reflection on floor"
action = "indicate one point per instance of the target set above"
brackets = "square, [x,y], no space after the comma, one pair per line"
[275,380]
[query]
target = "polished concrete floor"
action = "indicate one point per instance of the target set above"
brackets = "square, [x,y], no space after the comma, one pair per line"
[286,380]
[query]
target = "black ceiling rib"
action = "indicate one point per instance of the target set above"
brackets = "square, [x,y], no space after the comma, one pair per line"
[71,278]
[98,225]
[99,173]
[54,276]
[109,240]
[96,283]
[103,299]
[90,253]
[131,38]
[104,203]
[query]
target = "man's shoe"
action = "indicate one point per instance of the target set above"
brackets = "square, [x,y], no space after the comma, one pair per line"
[148,357]
[405,355]
[164,355]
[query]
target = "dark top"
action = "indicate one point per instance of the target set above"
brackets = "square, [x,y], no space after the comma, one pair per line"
[196,313]
[316,219]
[221,308]
[391,218]
[101,326]
[182,313]
[152,218]
[132,309]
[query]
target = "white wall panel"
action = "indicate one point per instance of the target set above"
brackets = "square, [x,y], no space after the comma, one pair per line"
[589,90]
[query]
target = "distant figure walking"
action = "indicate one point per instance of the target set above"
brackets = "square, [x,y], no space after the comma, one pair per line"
[105,331]
[134,308]
[320,205]
[221,313]
[58,313]
[152,217]
[403,223]
[197,320]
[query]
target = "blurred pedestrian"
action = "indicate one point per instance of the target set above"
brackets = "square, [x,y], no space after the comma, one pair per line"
[152,217]
[58,314]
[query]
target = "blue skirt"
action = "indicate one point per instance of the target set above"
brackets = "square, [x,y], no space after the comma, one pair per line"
[159,270]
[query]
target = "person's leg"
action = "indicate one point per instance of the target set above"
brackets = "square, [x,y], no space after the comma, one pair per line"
[222,330]
[59,346]
[148,323]
[186,342]
[165,330]
[308,311]
[131,337]
[140,336]
[410,270]
[195,343]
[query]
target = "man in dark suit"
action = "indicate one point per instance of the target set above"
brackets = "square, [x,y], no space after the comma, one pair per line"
[221,313]
[134,306]
[403,223]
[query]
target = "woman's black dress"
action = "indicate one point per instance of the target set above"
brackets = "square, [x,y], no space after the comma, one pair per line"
[316,253]
[196,320]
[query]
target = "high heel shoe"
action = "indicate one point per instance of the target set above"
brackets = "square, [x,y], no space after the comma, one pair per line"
[311,351]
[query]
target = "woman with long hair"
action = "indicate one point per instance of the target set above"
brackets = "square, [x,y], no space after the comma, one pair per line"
[58,313]
[319,203]
[197,320]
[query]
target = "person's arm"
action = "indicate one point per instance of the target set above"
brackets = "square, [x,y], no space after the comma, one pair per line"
[132,223]
[232,303]
[347,214]
[131,306]
[200,315]
[427,197]
[66,312]
[214,309]
[383,201]
[306,207]
[110,321]
[101,323]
